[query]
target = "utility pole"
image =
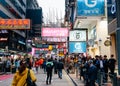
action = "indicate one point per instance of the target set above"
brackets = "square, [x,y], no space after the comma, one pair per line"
[118,33]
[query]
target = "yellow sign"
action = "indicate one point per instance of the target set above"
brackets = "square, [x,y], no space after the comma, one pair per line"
[50,47]
[14,23]
[61,53]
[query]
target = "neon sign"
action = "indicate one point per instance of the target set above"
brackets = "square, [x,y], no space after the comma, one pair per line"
[14,24]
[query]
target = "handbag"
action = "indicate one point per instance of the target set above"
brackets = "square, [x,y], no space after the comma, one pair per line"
[29,80]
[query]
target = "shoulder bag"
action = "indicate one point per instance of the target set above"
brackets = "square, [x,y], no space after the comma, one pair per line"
[29,80]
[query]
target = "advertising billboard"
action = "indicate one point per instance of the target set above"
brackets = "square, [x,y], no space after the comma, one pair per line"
[77,47]
[55,39]
[54,32]
[14,24]
[111,10]
[90,8]
[77,35]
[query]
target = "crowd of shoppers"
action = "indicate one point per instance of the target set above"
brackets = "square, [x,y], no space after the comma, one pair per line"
[22,65]
[90,67]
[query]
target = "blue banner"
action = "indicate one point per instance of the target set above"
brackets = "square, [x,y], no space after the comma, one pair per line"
[77,47]
[90,8]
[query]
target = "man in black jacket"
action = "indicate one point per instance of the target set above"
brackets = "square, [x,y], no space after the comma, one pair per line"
[112,62]
[60,66]
[49,67]
[92,73]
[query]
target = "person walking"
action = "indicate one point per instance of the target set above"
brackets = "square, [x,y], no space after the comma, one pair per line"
[112,62]
[60,66]
[36,64]
[49,67]
[105,63]
[92,74]
[8,66]
[55,62]
[20,76]
[44,65]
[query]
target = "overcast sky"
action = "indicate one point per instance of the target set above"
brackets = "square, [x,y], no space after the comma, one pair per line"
[53,10]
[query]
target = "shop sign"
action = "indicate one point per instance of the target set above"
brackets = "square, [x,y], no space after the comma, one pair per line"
[107,43]
[77,47]
[55,39]
[14,24]
[54,32]
[3,39]
[77,35]
[90,8]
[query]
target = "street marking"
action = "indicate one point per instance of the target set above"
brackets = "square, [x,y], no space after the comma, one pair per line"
[68,80]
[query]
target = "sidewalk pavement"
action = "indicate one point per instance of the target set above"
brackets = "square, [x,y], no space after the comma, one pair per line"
[76,80]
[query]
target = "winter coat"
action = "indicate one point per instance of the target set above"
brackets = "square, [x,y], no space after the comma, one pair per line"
[20,79]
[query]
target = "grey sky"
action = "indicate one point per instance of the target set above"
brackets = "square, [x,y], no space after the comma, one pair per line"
[53,10]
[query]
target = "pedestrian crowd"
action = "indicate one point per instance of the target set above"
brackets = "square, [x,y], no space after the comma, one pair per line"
[25,68]
[89,67]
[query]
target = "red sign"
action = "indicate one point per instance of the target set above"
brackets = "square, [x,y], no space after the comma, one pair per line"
[14,23]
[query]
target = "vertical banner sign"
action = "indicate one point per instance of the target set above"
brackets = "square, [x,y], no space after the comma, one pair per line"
[90,8]
[77,47]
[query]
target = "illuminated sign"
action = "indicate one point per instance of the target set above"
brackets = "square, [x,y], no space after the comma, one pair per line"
[77,47]
[3,31]
[14,24]
[90,8]
[55,39]
[3,39]
[55,32]
[77,35]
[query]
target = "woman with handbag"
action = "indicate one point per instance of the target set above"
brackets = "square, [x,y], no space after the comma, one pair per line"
[21,76]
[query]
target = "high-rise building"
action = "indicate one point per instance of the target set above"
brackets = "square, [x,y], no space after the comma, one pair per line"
[15,39]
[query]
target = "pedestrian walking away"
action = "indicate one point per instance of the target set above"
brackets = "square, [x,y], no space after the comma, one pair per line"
[60,66]
[49,67]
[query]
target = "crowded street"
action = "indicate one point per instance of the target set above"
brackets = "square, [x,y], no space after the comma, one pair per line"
[59,42]
[5,80]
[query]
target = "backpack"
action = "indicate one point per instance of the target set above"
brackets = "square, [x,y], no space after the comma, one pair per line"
[49,67]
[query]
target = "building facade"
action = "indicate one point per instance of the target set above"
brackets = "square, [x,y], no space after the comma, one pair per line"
[83,15]
[15,39]
[112,24]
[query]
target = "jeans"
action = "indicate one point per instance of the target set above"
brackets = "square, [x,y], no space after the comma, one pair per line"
[60,73]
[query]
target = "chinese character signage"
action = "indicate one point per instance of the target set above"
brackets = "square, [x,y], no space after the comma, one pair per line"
[14,24]
[90,8]
[77,47]
[77,35]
